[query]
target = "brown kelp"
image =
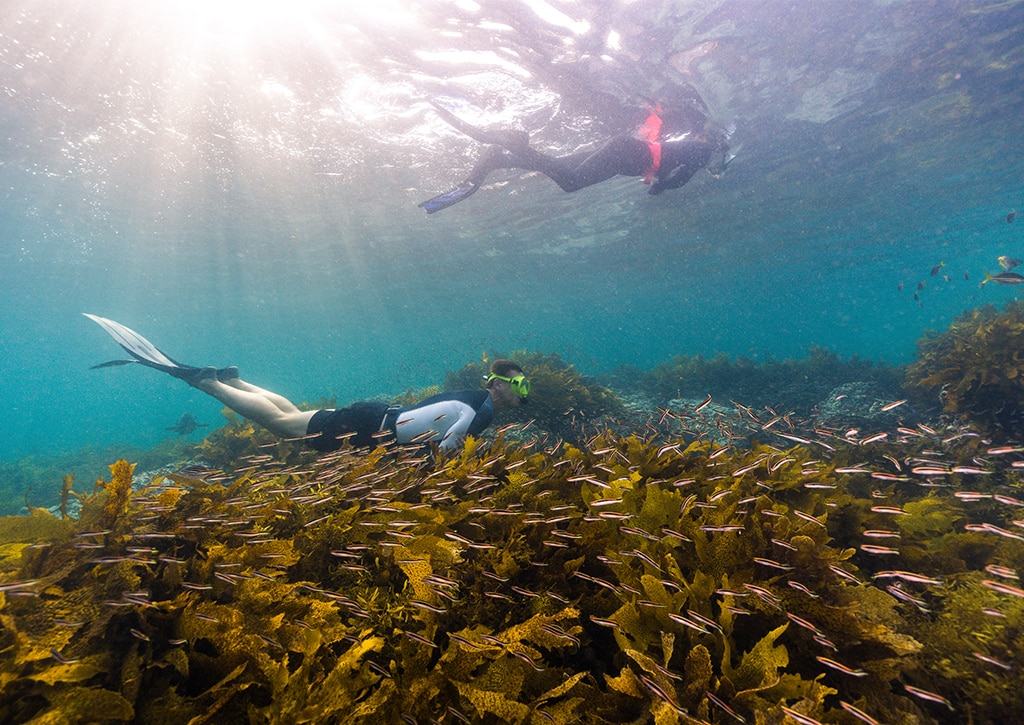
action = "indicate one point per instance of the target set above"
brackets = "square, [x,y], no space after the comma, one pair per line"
[820,575]
[976,367]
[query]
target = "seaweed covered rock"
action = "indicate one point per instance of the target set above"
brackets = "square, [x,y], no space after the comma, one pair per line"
[798,385]
[240,440]
[862,405]
[707,420]
[976,367]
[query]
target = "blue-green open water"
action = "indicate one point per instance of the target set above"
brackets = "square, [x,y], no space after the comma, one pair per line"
[239,182]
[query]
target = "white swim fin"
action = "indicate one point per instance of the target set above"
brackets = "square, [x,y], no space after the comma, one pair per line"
[140,348]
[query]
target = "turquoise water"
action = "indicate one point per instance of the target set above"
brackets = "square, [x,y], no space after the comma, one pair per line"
[239,184]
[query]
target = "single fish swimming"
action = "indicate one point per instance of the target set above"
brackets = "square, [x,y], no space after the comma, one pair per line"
[1008,263]
[1004,278]
[186,424]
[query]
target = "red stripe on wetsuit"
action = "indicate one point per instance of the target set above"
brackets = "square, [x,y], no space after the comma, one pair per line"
[651,132]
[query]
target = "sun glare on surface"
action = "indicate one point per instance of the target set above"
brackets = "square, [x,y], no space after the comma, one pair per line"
[152,98]
[242,17]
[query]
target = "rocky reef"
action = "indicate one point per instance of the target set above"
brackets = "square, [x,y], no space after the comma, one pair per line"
[667,578]
[655,553]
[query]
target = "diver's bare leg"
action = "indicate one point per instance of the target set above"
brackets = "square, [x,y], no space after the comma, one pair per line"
[258,408]
[285,405]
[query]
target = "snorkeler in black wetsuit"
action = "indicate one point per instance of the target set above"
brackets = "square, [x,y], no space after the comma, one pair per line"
[667,156]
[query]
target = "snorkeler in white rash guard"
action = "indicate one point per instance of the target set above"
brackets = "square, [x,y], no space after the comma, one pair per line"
[446,418]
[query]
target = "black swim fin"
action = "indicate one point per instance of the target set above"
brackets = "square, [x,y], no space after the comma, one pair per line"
[449,198]
[113,364]
[511,140]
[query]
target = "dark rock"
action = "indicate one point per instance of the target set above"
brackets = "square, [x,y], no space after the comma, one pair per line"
[860,405]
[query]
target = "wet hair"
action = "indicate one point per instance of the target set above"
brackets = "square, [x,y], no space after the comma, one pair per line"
[504,368]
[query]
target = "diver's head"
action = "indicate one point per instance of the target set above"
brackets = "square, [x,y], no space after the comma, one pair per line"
[720,154]
[717,136]
[508,386]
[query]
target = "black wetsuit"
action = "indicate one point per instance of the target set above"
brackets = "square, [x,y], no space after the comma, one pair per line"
[618,156]
[666,162]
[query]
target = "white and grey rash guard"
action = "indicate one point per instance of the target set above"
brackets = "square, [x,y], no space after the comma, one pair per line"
[446,418]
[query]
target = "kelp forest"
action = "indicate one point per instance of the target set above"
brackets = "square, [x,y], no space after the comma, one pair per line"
[709,541]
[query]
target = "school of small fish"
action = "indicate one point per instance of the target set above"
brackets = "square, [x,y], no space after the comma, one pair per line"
[667,504]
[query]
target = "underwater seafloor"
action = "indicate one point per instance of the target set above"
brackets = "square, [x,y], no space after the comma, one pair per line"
[821,540]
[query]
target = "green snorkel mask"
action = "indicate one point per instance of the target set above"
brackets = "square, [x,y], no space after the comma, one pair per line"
[520,385]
